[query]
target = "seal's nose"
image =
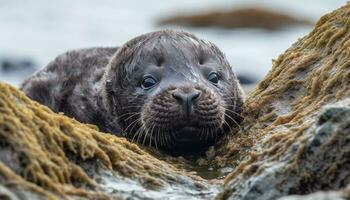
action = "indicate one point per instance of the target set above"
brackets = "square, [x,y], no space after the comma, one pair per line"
[186,99]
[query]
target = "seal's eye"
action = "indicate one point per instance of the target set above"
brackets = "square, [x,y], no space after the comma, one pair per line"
[213,77]
[148,82]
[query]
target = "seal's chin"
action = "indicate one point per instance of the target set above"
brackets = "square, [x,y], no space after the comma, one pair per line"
[188,133]
[188,139]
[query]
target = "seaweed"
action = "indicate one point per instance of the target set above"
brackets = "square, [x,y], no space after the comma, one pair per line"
[46,147]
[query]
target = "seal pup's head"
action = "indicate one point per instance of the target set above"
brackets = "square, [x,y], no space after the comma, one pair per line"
[172,90]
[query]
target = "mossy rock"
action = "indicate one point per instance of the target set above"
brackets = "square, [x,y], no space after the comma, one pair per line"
[282,119]
[54,155]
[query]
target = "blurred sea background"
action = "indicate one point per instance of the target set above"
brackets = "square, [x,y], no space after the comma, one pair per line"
[34,32]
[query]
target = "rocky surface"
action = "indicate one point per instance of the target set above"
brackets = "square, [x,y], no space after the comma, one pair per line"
[317,161]
[287,145]
[10,64]
[322,195]
[316,196]
[294,140]
[249,17]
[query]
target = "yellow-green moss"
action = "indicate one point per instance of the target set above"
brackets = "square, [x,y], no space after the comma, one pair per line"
[46,145]
[315,71]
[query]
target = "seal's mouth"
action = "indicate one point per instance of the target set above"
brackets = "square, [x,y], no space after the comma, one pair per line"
[187,130]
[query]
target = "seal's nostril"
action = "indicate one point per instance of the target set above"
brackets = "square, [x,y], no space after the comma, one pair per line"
[180,97]
[194,96]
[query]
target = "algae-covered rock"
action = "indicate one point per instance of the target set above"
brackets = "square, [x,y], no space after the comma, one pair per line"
[289,147]
[246,17]
[55,156]
[320,160]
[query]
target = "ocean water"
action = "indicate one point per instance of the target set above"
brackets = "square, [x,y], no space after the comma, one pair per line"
[41,29]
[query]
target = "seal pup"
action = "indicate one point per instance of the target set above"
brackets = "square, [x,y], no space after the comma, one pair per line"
[167,89]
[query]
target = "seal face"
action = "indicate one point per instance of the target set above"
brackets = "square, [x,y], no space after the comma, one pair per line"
[167,89]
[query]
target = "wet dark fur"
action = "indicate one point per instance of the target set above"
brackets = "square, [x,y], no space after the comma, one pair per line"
[100,86]
[72,84]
